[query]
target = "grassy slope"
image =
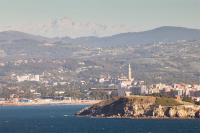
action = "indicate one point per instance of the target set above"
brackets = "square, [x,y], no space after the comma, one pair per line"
[163,101]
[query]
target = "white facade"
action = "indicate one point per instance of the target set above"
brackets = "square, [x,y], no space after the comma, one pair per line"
[28,77]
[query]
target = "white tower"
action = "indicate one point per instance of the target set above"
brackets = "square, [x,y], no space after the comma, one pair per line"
[130,73]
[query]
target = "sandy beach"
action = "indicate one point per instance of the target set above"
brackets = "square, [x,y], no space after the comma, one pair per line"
[49,102]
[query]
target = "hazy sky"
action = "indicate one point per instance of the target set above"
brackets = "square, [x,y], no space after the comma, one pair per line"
[138,13]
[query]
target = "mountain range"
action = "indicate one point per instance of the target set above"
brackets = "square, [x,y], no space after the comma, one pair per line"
[166,34]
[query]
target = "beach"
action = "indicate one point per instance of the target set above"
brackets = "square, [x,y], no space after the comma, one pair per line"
[49,102]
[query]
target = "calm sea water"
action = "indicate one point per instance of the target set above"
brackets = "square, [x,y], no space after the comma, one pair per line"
[60,119]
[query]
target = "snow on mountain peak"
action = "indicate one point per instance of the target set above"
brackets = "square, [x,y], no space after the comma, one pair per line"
[68,27]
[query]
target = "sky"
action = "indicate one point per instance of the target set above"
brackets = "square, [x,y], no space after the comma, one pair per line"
[142,14]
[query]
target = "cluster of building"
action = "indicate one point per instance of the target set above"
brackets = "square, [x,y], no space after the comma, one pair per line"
[120,86]
[181,90]
[47,79]
[127,85]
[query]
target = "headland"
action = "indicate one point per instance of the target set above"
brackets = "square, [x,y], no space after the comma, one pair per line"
[144,107]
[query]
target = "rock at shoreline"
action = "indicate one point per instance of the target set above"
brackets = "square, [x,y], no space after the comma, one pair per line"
[171,113]
[142,107]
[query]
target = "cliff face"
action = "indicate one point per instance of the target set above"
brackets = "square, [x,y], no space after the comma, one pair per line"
[142,107]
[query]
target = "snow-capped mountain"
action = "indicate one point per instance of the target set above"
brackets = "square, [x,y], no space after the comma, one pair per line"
[68,27]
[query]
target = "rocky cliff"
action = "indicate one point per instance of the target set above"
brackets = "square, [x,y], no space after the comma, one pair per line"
[142,107]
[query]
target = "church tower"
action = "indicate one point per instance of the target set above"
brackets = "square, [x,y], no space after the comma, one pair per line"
[130,73]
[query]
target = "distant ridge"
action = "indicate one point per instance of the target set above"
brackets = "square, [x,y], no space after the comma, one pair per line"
[17,35]
[165,34]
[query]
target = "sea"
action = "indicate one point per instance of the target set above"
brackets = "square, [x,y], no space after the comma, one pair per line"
[61,119]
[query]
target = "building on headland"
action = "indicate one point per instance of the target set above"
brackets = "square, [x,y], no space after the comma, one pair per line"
[129,86]
[139,89]
[28,77]
[124,89]
[127,81]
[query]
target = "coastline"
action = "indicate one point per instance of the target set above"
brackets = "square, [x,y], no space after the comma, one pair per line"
[46,103]
[140,118]
[144,118]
